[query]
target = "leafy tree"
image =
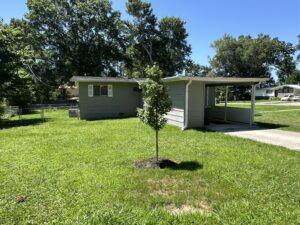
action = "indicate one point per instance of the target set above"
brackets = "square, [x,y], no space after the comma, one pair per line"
[253,57]
[74,38]
[298,48]
[294,78]
[155,42]
[9,60]
[156,101]
[15,84]
[194,69]
[142,35]
[174,51]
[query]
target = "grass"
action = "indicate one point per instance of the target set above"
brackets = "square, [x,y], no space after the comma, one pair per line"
[67,171]
[275,116]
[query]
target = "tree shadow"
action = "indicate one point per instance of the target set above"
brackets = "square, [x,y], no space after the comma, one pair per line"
[201,129]
[271,125]
[186,165]
[6,124]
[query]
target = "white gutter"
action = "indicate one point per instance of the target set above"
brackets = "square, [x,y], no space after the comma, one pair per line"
[186,104]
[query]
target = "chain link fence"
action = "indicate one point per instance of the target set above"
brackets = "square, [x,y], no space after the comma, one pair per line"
[13,116]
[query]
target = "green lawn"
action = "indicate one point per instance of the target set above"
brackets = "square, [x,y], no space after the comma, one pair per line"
[275,116]
[67,171]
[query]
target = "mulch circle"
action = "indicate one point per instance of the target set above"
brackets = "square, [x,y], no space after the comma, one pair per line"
[153,163]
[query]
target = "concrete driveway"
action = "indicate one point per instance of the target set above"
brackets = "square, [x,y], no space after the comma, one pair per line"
[287,139]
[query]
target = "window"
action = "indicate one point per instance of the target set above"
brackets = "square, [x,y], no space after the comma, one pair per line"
[104,90]
[269,91]
[100,90]
[96,90]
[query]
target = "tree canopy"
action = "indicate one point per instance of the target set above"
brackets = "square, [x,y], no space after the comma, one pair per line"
[15,84]
[253,57]
[151,41]
[76,38]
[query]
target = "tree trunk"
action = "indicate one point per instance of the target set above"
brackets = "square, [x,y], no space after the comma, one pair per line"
[156,146]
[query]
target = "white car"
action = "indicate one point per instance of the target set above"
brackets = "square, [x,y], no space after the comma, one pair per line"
[296,98]
[287,98]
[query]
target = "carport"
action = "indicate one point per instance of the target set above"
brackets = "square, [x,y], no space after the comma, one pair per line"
[194,100]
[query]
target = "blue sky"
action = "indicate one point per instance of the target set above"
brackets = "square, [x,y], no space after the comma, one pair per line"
[209,20]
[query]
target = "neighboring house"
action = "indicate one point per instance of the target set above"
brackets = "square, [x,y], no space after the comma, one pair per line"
[287,89]
[193,99]
[279,91]
[265,93]
[69,91]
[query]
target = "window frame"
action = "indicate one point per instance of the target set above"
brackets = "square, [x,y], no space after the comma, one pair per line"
[98,93]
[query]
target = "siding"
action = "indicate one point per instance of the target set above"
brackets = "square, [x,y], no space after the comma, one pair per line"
[196,104]
[232,114]
[176,92]
[124,102]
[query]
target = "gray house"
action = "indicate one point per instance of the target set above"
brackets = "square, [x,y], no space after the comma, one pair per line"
[193,99]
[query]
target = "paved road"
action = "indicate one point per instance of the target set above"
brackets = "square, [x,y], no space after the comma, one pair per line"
[287,139]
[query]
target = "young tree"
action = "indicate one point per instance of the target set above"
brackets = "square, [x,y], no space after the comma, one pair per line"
[156,101]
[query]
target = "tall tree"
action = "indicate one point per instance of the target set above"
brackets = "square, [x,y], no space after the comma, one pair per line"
[194,69]
[74,37]
[142,36]
[174,51]
[9,60]
[253,57]
[294,78]
[151,41]
[156,101]
[15,84]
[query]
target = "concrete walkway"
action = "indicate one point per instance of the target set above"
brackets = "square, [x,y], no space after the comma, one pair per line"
[287,139]
[275,103]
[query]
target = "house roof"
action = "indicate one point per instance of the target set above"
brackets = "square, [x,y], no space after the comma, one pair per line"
[207,80]
[218,80]
[105,79]
[295,86]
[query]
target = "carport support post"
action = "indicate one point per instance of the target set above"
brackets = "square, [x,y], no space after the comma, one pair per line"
[252,104]
[226,99]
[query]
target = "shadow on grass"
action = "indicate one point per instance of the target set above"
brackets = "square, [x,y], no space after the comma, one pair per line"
[121,117]
[186,165]
[167,164]
[270,125]
[202,129]
[6,124]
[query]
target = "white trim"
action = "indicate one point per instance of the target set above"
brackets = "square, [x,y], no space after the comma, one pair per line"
[186,111]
